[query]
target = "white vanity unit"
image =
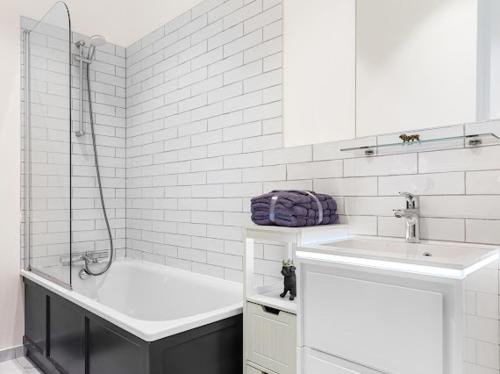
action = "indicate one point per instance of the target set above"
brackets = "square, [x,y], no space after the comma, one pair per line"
[270,322]
[375,305]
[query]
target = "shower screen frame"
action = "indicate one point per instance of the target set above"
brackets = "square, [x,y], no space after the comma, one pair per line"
[28,160]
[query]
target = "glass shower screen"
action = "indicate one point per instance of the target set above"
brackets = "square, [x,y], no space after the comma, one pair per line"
[47,144]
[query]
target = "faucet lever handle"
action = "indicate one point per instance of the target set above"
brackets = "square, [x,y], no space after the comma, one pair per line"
[408,195]
[411,200]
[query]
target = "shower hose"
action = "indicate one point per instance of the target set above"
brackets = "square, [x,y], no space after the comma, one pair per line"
[88,262]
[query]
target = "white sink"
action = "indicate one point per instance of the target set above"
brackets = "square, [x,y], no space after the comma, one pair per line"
[456,260]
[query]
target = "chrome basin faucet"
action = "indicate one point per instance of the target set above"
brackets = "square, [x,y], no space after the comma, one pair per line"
[412,216]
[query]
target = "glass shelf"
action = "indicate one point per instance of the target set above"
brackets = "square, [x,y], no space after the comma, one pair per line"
[465,141]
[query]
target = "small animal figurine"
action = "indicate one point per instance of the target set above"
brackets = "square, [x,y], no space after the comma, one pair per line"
[290,281]
[409,138]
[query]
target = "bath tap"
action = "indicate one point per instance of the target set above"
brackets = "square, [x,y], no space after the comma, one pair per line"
[412,217]
[90,258]
[78,258]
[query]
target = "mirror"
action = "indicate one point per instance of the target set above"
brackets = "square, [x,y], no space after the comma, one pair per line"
[357,68]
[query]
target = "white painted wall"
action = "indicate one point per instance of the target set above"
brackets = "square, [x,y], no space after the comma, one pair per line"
[121,21]
[319,71]
[10,290]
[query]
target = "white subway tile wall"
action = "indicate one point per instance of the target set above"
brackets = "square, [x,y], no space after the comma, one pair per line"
[203,122]
[481,348]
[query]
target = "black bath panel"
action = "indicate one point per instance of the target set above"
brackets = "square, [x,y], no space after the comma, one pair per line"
[62,337]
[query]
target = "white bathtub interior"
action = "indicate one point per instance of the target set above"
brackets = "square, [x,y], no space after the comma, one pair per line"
[170,294]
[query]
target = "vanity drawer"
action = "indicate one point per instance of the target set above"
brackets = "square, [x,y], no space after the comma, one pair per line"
[320,363]
[392,328]
[271,338]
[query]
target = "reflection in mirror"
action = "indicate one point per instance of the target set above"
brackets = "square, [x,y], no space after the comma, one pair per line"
[361,68]
[319,71]
[489,60]
[424,63]
[415,64]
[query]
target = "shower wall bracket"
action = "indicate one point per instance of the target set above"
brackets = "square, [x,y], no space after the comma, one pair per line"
[80,58]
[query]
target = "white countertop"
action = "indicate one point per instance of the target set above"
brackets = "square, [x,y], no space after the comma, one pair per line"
[453,259]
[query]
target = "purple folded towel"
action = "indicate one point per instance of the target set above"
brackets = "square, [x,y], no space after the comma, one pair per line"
[291,198]
[292,221]
[294,209]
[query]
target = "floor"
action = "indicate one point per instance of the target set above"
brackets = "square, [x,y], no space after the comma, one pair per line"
[18,366]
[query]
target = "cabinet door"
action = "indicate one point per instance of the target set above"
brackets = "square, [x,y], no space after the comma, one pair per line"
[320,363]
[67,336]
[271,340]
[110,352]
[391,328]
[35,311]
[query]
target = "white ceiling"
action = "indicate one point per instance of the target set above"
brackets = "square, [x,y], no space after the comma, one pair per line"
[121,21]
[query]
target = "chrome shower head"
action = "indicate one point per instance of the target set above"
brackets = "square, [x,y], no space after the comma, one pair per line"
[95,41]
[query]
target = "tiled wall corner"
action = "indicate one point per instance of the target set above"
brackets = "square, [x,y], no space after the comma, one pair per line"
[203,108]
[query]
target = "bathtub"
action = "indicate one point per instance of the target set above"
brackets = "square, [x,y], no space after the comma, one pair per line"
[148,304]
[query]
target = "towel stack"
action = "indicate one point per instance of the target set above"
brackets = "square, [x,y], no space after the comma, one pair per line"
[294,209]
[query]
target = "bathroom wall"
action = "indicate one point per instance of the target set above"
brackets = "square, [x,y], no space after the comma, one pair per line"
[203,103]
[49,145]
[204,135]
